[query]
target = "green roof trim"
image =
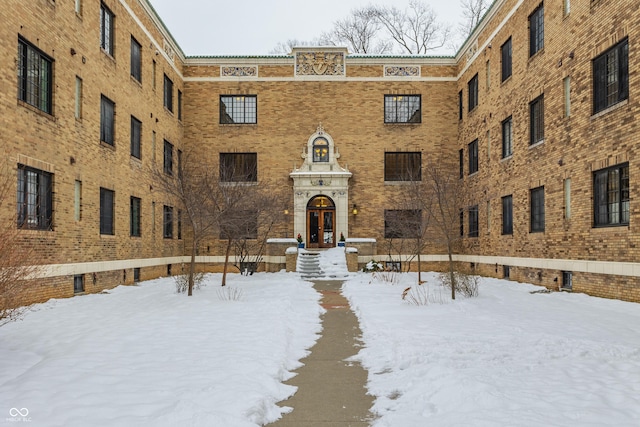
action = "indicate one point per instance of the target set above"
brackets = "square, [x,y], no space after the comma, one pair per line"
[164,26]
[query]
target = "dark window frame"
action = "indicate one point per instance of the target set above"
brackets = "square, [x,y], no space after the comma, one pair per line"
[239,109]
[611,76]
[536,120]
[107,211]
[136,60]
[78,283]
[107,24]
[238,167]
[168,93]
[473,157]
[536,210]
[474,221]
[167,158]
[507,137]
[473,92]
[401,108]
[135,216]
[507,215]
[411,220]
[36,91]
[611,196]
[461,162]
[34,201]
[536,30]
[507,59]
[136,138]
[167,222]
[179,224]
[107,120]
[402,166]
[179,104]
[460,105]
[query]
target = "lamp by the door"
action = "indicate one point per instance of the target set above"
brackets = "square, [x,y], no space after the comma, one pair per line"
[355,209]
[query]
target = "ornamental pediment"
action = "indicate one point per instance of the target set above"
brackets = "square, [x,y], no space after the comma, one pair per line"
[320,61]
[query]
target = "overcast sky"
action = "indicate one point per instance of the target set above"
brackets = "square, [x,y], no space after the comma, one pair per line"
[255,27]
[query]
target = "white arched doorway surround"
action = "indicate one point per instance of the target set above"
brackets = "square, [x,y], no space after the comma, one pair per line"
[320,175]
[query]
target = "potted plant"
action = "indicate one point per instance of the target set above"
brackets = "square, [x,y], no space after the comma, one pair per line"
[341,241]
[300,243]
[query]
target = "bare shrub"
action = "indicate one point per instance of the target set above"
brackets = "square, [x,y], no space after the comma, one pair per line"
[466,284]
[386,276]
[229,293]
[422,295]
[182,281]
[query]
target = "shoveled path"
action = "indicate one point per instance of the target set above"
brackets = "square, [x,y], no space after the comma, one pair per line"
[331,391]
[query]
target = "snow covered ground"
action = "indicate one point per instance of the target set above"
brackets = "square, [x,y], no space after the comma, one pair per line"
[146,356]
[505,358]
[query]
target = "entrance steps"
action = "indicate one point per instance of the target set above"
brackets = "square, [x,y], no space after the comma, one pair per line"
[309,265]
[322,263]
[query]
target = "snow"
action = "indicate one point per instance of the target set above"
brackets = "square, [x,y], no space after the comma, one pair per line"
[146,356]
[507,357]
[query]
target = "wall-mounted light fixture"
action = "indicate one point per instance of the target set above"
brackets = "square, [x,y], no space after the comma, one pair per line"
[355,209]
[286,211]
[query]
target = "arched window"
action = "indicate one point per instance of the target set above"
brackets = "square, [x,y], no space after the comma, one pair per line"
[320,150]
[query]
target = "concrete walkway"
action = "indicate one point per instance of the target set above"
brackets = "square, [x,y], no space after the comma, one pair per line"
[331,392]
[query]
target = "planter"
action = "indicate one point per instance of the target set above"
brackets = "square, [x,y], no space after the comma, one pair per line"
[301,245]
[341,244]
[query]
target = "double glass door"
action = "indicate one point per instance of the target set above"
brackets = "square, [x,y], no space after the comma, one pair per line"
[320,232]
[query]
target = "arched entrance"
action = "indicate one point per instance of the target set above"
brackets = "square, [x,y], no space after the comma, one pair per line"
[321,231]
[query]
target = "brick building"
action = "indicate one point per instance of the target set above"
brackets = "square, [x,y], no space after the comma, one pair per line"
[536,111]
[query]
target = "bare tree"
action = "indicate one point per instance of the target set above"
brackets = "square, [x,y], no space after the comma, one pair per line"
[18,258]
[415,30]
[190,184]
[447,199]
[472,13]
[359,32]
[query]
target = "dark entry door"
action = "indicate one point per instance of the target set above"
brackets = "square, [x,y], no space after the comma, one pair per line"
[321,230]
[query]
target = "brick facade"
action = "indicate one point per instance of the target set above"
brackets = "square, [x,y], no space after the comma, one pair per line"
[349,105]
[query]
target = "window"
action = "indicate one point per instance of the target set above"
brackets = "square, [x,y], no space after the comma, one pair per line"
[240,109]
[567,198]
[473,157]
[106,211]
[461,160]
[402,166]
[135,216]
[567,280]
[611,196]
[78,283]
[507,137]
[136,60]
[506,271]
[460,105]
[505,52]
[320,150]
[77,200]
[168,157]
[136,274]
[179,104]
[35,198]
[536,118]
[536,30]
[461,223]
[473,221]
[168,93]
[179,163]
[179,224]
[107,116]
[611,77]
[402,109]
[106,29]
[78,106]
[393,266]
[402,224]
[566,83]
[238,167]
[153,74]
[35,78]
[167,222]
[536,199]
[136,133]
[473,92]
[507,215]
